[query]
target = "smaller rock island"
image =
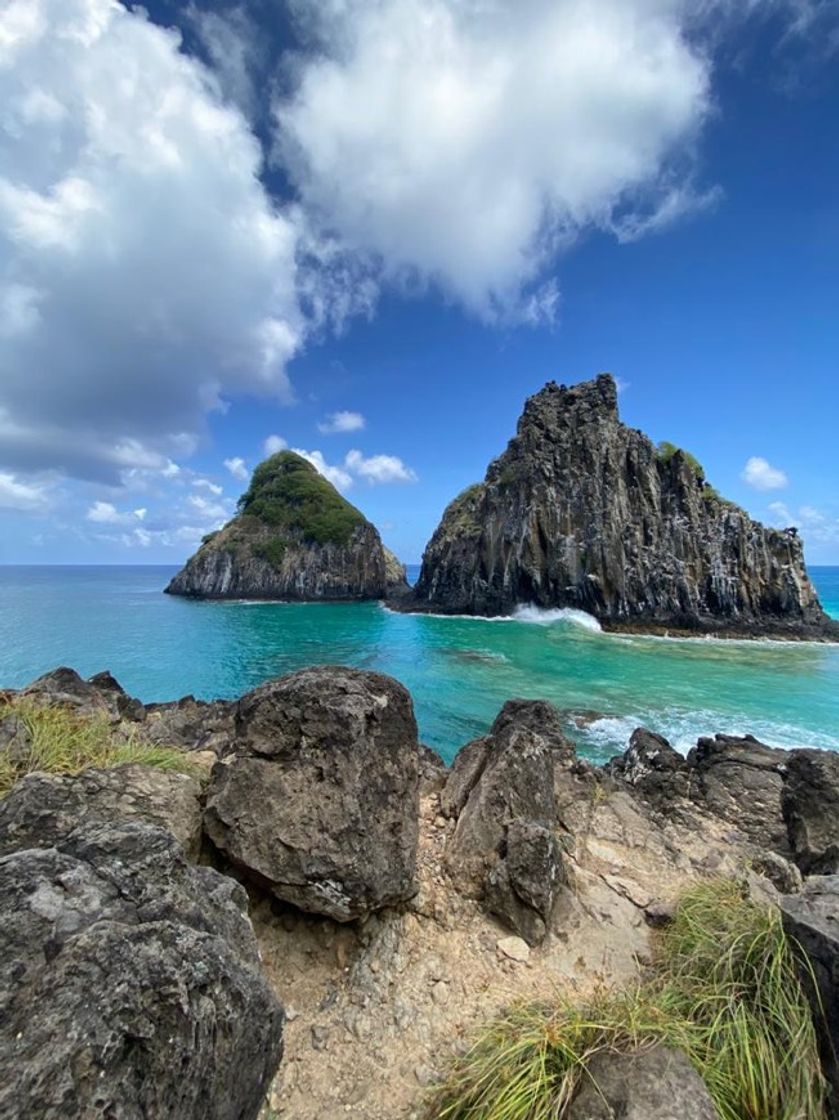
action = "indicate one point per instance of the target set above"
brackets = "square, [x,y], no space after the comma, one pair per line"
[294,538]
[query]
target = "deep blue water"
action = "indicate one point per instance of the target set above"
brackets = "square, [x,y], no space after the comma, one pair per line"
[459,671]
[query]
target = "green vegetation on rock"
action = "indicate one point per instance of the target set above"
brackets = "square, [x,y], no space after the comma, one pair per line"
[271,551]
[61,742]
[286,492]
[460,514]
[724,989]
[666,451]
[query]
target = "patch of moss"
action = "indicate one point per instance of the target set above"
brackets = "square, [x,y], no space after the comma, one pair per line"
[286,492]
[209,536]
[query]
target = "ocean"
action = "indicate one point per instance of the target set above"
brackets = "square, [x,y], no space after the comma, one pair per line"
[459,671]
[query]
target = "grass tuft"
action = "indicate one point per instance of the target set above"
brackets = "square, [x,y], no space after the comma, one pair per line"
[65,742]
[724,989]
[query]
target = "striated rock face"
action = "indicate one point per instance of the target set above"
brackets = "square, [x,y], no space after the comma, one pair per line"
[295,538]
[581,511]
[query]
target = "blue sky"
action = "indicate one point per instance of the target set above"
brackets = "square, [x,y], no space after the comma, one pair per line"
[410,215]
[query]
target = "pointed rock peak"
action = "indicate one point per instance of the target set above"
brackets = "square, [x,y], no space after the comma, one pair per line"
[588,402]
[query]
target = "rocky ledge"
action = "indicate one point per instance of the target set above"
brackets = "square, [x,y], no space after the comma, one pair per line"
[294,538]
[155,924]
[581,511]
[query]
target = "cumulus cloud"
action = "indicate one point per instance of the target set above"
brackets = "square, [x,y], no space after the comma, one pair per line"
[379,468]
[15,494]
[144,270]
[343,421]
[760,474]
[464,141]
[237,468]
[106,513]
[273,444]
[336,475]
[373,470]
[206,484]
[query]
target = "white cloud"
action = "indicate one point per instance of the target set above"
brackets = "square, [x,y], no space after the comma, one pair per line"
[342,422]
[20,495]
[106,513]
[206,484]
[210,511]
[375,469]
[781,513]
[237,468]
[379,468]
[760,474]
[144,270]
[464,141]
[336,475]
[273,444]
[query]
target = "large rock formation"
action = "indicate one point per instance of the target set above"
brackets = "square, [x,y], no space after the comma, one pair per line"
[320,801]
[295,537]
[581,511]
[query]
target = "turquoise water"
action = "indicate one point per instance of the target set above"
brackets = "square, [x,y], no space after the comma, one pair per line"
[460,671]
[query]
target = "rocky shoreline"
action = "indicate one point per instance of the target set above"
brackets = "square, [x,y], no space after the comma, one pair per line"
[320,886]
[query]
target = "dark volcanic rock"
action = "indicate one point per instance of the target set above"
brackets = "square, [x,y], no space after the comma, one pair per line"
[321,802]
[581,511]
[811,919]
[652,767]
[130,984]
[810,804]
[656,1084]
[503,849]
[295,537]
[741,780]
[43,808]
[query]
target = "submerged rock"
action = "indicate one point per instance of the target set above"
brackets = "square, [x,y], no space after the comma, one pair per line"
[320,804]
[130,984]
[295,537]
[581,511]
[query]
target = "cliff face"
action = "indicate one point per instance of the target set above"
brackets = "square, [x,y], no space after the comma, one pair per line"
[581,511]
[294,538]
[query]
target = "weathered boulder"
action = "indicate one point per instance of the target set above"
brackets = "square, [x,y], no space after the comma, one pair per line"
[741,780]
[649,764]
[810,804]
[581,511]
[522,886]
[130,984]
[811,919]
[194,725]
[657,1084]
[295,537]
[320,803]
[503,850]
[43,808]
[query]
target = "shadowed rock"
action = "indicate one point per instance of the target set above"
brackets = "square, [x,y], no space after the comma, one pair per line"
[810,804]
[130,984]
[656,1084]
[320,803]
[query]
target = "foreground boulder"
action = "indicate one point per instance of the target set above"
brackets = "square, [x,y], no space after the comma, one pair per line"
[810,805]
[295,537]
[320,803]
[43,808]
[501,788]
[811,919]
[130,984]
[658,1084]
[581,511]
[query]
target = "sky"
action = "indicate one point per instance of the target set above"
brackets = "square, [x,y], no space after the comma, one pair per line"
[369,229]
